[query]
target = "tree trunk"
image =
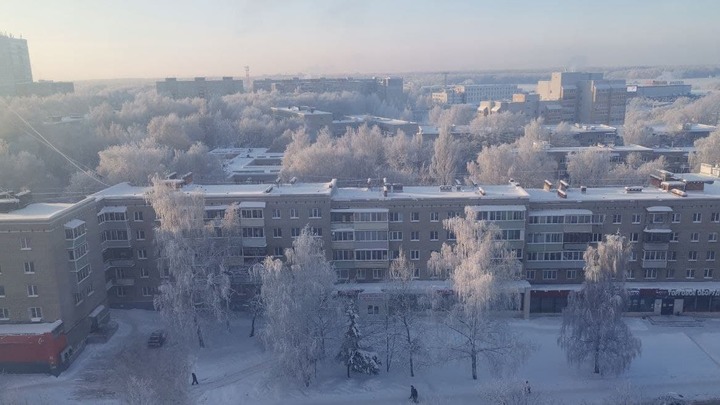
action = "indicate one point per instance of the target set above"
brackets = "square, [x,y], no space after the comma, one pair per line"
[252,326]
[473,357]
[597,360]
[410,347]
[198,330]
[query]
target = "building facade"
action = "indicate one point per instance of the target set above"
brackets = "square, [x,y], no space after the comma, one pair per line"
[386,88]
[199,87]
[14,63]
[62,262]
[475,93]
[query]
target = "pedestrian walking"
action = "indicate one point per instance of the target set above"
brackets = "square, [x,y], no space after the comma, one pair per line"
[527,387]
[194,381]
[413,394]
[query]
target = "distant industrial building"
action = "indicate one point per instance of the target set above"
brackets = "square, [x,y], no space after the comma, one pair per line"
[475,93]
[250,165]
[660,90]
[529,105]
[44,88]
[199,87]
[388,126]
[386,88]
[313,119]
[681,135]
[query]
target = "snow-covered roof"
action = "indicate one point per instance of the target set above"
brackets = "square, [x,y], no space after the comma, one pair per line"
[73,223]
[650,285]
[124,190]
[430,192]
[29,328]
[252,204]
[712,191]
[38,211]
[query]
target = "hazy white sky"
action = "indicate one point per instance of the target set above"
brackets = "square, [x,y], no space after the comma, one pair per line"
[101,39]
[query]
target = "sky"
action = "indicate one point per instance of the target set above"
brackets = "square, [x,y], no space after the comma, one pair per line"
[106,39]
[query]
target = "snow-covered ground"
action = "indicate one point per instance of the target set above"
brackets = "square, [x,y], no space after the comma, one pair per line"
[234,369]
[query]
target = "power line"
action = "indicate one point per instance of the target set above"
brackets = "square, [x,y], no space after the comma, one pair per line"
[51,146]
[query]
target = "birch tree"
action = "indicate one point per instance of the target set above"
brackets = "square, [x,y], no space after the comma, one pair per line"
[593,328]
[445,159]
[299,309]
[481,269]
[194,254]
[404,308]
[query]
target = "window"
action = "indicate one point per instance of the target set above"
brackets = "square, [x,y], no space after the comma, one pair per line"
[373,310]
[415,217]
[654,255]
[2,290]
[29,267]
[530,275]
[276,213]
[676,217]
[314,213]
[138,216]
[142,254]
[692,256]
[414,255]
[690,273]
[710,256]
[121,291]
[617,218]
[371,235]
[343,235]
[278,251]
[672,256]
[277,232]
[708,273]
[295,232]
[449,235]
[453,214]
[675,236]
[630,275]
[4,314]
[571,274]
[314,231]
[596,237]
[634,237]
[712,237]
[253,232]
[415,235]
[416,273]
[371,255]
[293,213]
[148,291]
[78,252]
[651,273]
[697,217]
[165,272]
[114,234]
[549,274]
[360,274]
[121,273]
[695,237]
[433,235]
[77,298]
[396,235]
[434,217]
[633,256]
[144,273]
[509,234]
[140,234]
[76,232]
[35,314]
[395,217]
[635,218]
[248,213]
[378,274]
[657,218]
[82,274]
[25,244]
[670,273]
[715,217]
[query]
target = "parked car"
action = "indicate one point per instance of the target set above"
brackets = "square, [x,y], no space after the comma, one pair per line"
[157,338]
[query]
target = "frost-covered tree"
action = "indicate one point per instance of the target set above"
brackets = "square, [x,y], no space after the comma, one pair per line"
[482,268]
[352,354]
[300,311]
[404,308]
[707,151]
[194,253]
[445,159]
[135,163]
[593,328]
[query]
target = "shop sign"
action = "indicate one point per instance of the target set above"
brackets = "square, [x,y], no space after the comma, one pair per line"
[691,292]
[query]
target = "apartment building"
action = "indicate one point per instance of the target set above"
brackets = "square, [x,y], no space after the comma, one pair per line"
[14,63]
[586,97]
[661,90]
[62,263]
[474,93]
[198,87]
[386,88]
[52,283]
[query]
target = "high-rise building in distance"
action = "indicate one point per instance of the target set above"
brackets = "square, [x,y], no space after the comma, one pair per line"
[14,62]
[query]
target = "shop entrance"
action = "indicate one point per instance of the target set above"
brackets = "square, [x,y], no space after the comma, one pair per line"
[668,305]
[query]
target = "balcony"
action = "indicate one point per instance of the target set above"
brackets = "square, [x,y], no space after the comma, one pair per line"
[118,263]
[124,282]
[654,264]
[116,244]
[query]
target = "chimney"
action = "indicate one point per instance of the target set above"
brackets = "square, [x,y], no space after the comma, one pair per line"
[547,186]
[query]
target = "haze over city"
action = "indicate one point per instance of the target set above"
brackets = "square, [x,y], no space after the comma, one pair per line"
[73,40]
